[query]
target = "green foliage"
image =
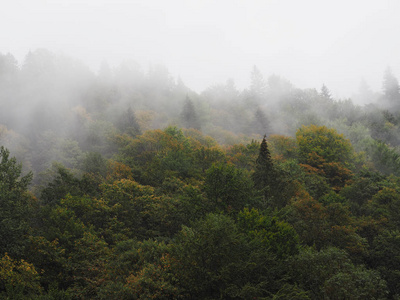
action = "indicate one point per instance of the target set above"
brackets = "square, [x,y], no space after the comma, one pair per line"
[62,182]
[321,226]
[142,213]
[189,115]
[84,232]
[205,254]
[49,256]
[94,163]
[205,157]
[315,184]
[18,279]
[330,274]
[325,143]
[357,283]
[357,132]
[91,211]
[87,262]
[214,260]
[96,136]
[184,214]
[291,292]
[128,124]
[308,217]
[141,270]
[158,154]
[362,189]
[283,146]
[331,197]
[62,224]
[10,172]
[265,175]
[228,187]
[244,156]
[15,205]
[264,169]
[191,203]
[54,293]
[384,257]
[273,183]
[386,159]
[71,243]
[386,204]
[325,152]
[268,232]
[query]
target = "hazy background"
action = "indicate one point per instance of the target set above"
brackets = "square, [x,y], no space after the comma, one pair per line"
[205,42]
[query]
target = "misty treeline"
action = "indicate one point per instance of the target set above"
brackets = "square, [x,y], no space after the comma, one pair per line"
[54,108]
[126,184]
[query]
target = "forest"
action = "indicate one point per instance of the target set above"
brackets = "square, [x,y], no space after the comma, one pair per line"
[126,184]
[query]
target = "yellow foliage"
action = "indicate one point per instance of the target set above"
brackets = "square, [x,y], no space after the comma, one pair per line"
[118,171]
[19,275]
[145,119]
[81,113]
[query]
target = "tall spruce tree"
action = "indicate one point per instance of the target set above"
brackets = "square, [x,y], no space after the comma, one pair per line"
[128,124]
[264,173]
[15,205]
[258,86]
[261,123]
[325,92]
[189,115]
[273,184]
[391,88]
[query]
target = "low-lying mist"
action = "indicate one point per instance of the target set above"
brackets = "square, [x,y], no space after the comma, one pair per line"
[54,108]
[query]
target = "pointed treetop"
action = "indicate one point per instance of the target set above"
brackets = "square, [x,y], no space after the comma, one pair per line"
[391,86]
[261,124]
[264,175]
[258,85]
[189,115]
[264,157]
[325,92]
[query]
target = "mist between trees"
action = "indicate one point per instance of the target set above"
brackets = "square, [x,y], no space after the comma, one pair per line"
[55,108]
[126,184]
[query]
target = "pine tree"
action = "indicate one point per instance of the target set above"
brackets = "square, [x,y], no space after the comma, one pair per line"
[128,123]
[15,205]
[261,123]
[325,92]
[391,87]
[189,115]
[258,85]
[273,184]
[264,174]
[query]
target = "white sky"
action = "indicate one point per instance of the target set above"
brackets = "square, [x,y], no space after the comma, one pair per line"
[309,42]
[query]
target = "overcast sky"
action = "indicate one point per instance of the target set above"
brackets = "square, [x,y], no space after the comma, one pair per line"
[309,42]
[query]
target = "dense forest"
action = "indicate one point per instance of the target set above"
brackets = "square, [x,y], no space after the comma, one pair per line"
[126,184]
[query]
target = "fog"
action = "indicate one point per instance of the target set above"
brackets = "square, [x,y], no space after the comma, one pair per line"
[81,77]
[310,43]
[137,135]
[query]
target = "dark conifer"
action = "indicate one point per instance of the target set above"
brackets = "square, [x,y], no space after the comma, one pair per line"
[189,115]
[264,173]
[325,92]
[272,183]
[391,88]
[128,123]
[258,85]
[261,123]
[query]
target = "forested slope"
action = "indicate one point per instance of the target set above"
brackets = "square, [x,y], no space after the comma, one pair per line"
[128,185]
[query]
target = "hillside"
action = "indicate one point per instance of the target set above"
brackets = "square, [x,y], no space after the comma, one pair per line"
[127,184]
